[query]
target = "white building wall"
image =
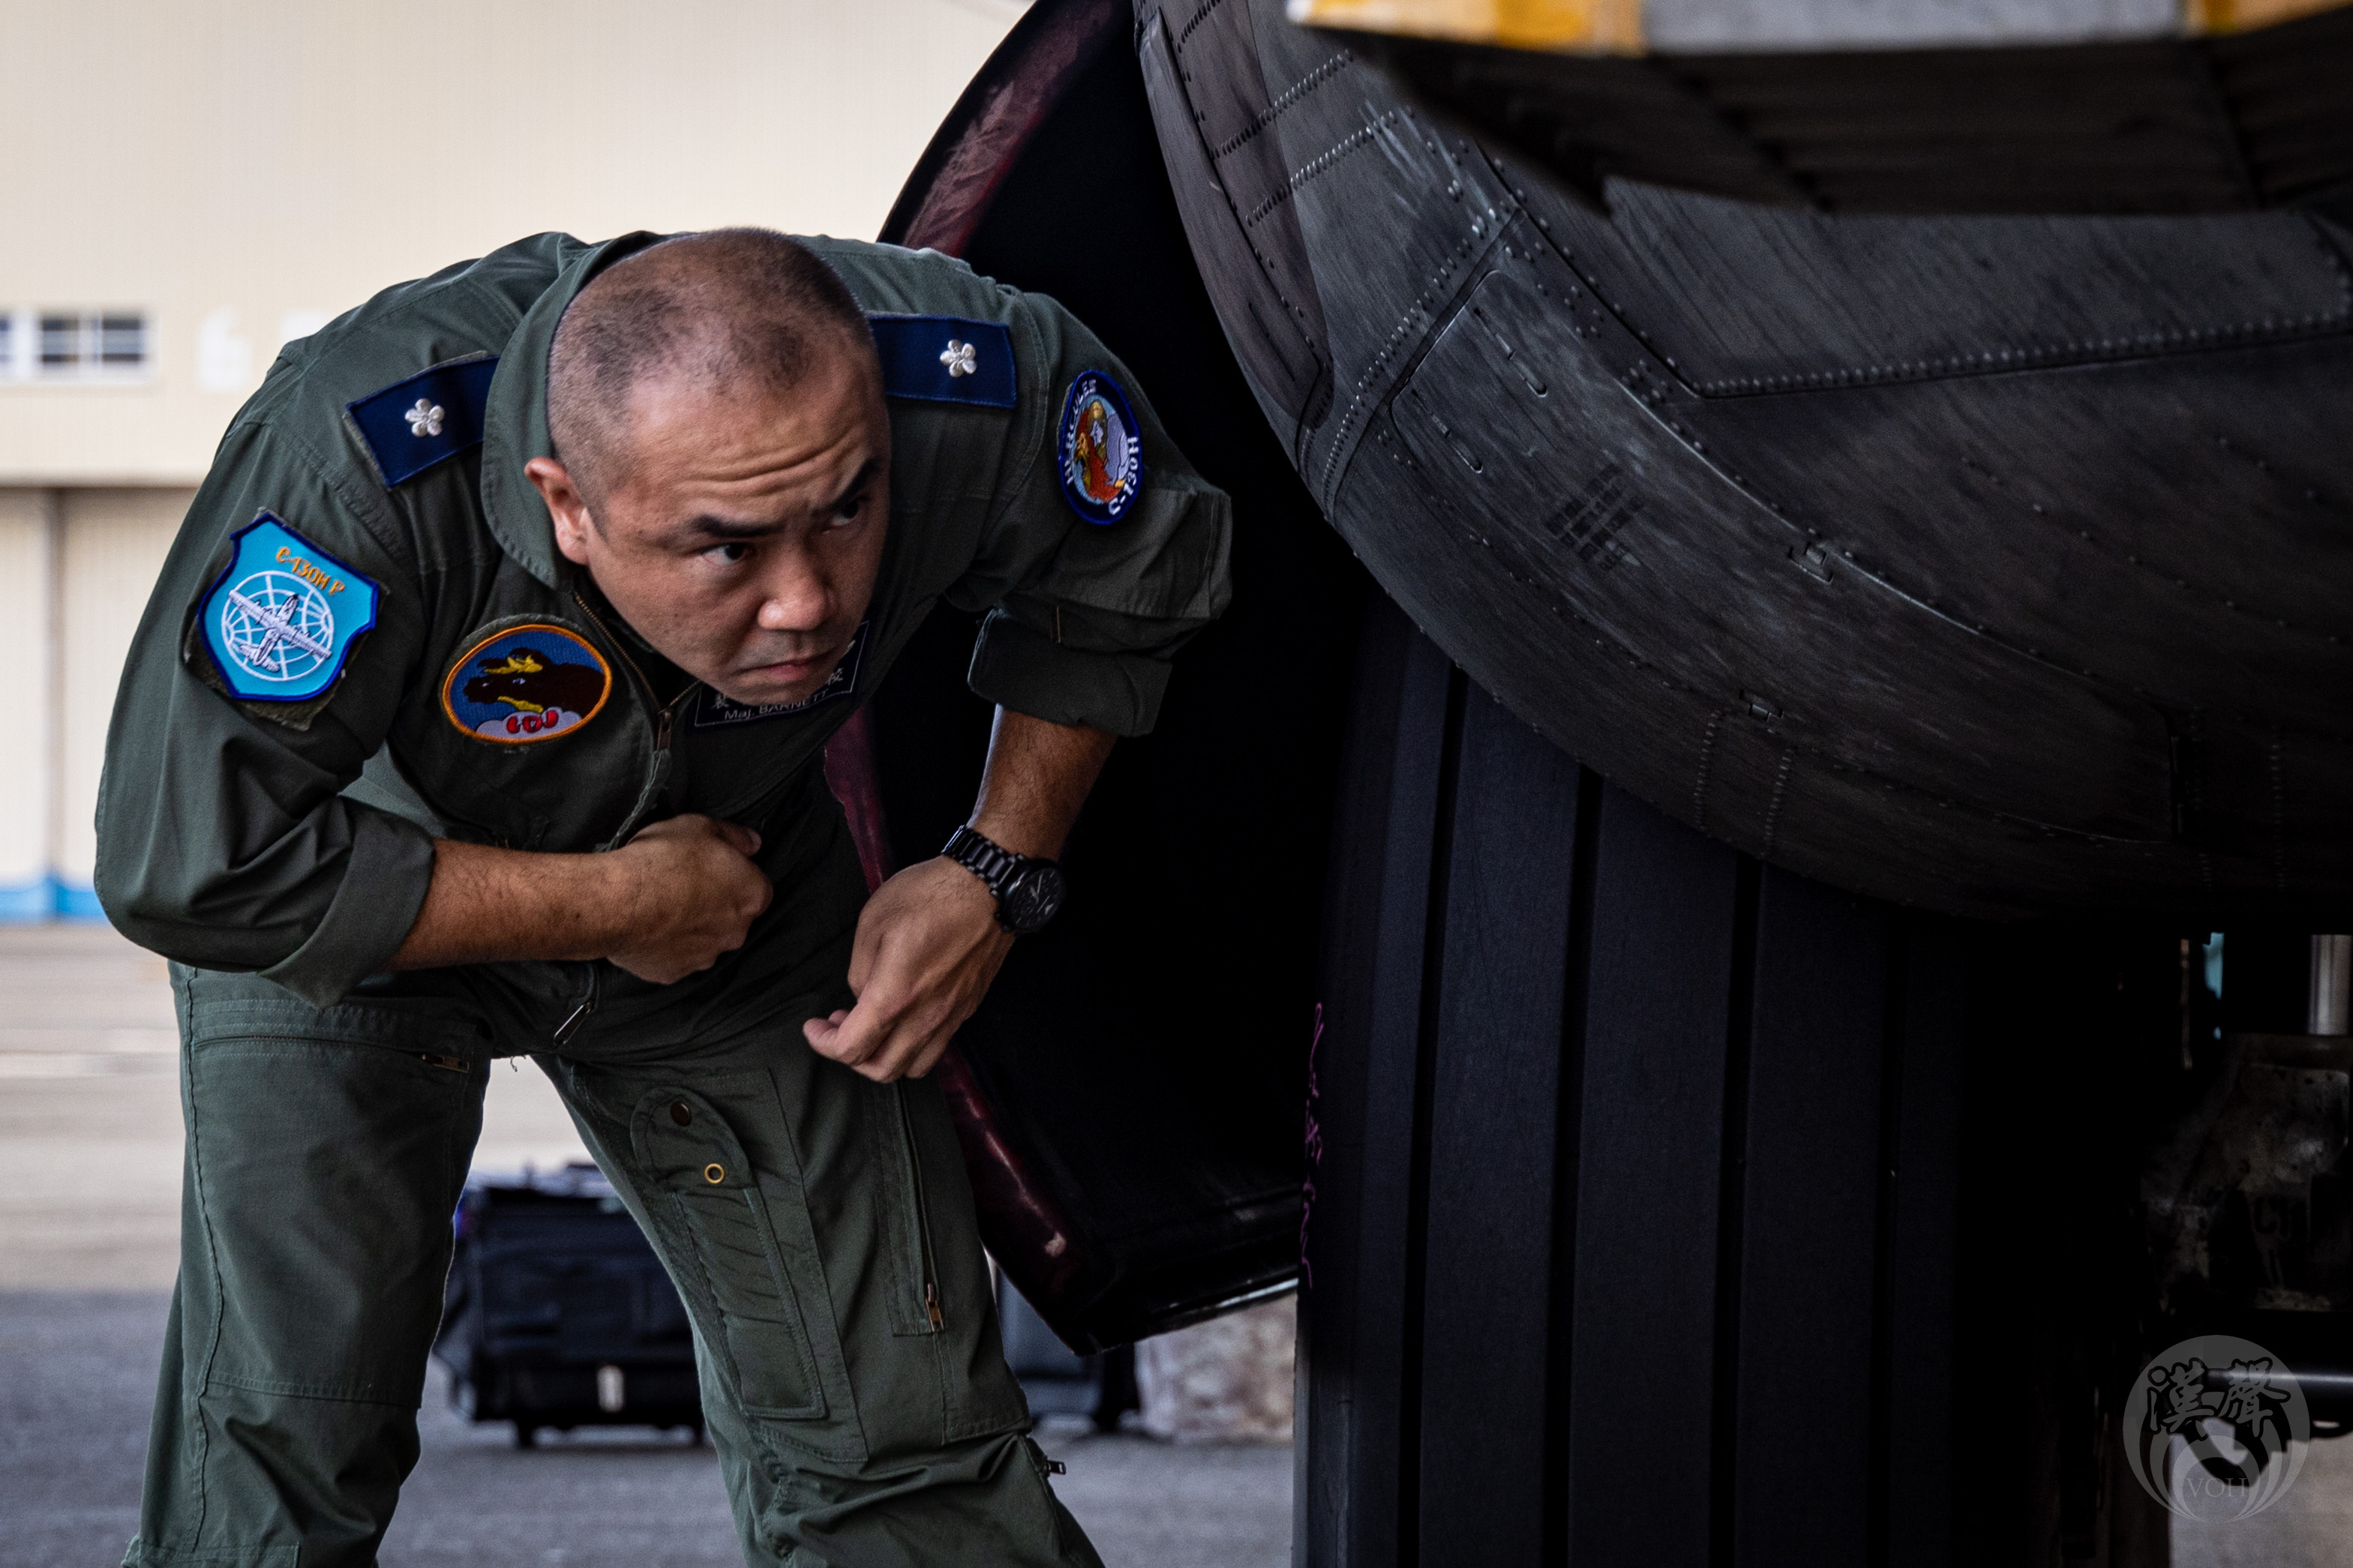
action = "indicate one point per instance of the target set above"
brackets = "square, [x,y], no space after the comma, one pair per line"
[115,541]
[240,170]
[24,711]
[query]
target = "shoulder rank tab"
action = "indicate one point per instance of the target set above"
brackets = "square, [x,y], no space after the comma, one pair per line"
[946,359]
[411,425]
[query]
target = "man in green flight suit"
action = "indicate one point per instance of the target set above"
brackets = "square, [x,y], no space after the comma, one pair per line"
[479,711]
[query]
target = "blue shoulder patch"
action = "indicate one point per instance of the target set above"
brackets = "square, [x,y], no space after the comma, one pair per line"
[1099,448]
[411,425]
[281,620]
[946,359]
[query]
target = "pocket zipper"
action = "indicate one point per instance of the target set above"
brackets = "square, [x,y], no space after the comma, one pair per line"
[922,1218]
[579,1016]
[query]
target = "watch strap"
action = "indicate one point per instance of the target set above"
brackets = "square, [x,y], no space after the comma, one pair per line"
[985,858]
[999,870]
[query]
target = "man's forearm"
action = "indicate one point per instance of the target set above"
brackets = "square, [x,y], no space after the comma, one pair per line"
[1037,777]
[485,905]
[662,906]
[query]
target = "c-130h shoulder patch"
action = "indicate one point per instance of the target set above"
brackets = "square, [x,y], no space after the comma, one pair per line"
[280,622]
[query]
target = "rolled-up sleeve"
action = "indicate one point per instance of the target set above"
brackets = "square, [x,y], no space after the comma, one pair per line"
[224,839]
[1085,617]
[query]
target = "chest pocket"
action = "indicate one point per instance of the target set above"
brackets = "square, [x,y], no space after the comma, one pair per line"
[714,1196]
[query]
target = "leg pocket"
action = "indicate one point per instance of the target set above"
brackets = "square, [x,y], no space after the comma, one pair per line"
[692,1156]
[323,1174]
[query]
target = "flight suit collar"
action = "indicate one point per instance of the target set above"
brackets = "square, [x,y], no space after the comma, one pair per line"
[514,423]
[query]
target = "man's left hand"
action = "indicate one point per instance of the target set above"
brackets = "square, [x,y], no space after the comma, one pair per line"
[928,945]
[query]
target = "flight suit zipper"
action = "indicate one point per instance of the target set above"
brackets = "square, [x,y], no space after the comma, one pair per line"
[665,715]
[579,1016]
[923,1219]
[657,772]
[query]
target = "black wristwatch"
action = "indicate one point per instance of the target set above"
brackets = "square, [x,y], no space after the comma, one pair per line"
[1029,891]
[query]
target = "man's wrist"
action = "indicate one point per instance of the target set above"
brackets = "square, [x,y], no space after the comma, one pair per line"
[1028,889]
[615,901]
[1011,830]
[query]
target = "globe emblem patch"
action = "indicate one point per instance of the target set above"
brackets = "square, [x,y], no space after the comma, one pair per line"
[278,626]
[1100,449]
[281,620]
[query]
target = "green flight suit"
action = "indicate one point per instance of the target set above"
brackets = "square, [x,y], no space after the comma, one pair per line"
[818,1225]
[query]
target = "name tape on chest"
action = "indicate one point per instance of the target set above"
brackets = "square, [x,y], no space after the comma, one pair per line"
[946,359]
[429,419]
[524,684]
[280,621]
[1099,448]
[715,711]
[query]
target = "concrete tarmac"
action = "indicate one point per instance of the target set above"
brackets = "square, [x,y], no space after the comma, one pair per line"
[78,1375]
[89,1182]
[89,1192]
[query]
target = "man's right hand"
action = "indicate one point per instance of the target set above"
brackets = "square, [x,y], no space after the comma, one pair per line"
[663,906]
[695,893]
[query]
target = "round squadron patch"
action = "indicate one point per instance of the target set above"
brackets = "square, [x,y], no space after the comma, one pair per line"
[524,684]
[1101,449]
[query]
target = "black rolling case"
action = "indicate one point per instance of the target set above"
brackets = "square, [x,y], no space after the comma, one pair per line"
[558,1313]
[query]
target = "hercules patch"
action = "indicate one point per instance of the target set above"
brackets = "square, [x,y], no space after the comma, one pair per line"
[1099,448]
[525,684]
[280,622]
[715,711]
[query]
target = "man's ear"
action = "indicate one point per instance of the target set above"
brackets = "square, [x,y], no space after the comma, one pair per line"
[566,506]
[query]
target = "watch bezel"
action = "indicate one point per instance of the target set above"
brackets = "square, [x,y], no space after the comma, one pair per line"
[1031,896]
[1028,889]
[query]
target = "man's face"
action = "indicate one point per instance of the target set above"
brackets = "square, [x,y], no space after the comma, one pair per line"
[741,538]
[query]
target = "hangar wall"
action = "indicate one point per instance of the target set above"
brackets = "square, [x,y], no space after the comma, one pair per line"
[213,181]
[25,536]
[75,565]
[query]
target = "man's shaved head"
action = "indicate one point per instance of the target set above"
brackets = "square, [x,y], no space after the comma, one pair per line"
[722,468]
[742,313]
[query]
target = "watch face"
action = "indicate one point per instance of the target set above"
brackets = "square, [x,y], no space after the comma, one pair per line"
[1031,898]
